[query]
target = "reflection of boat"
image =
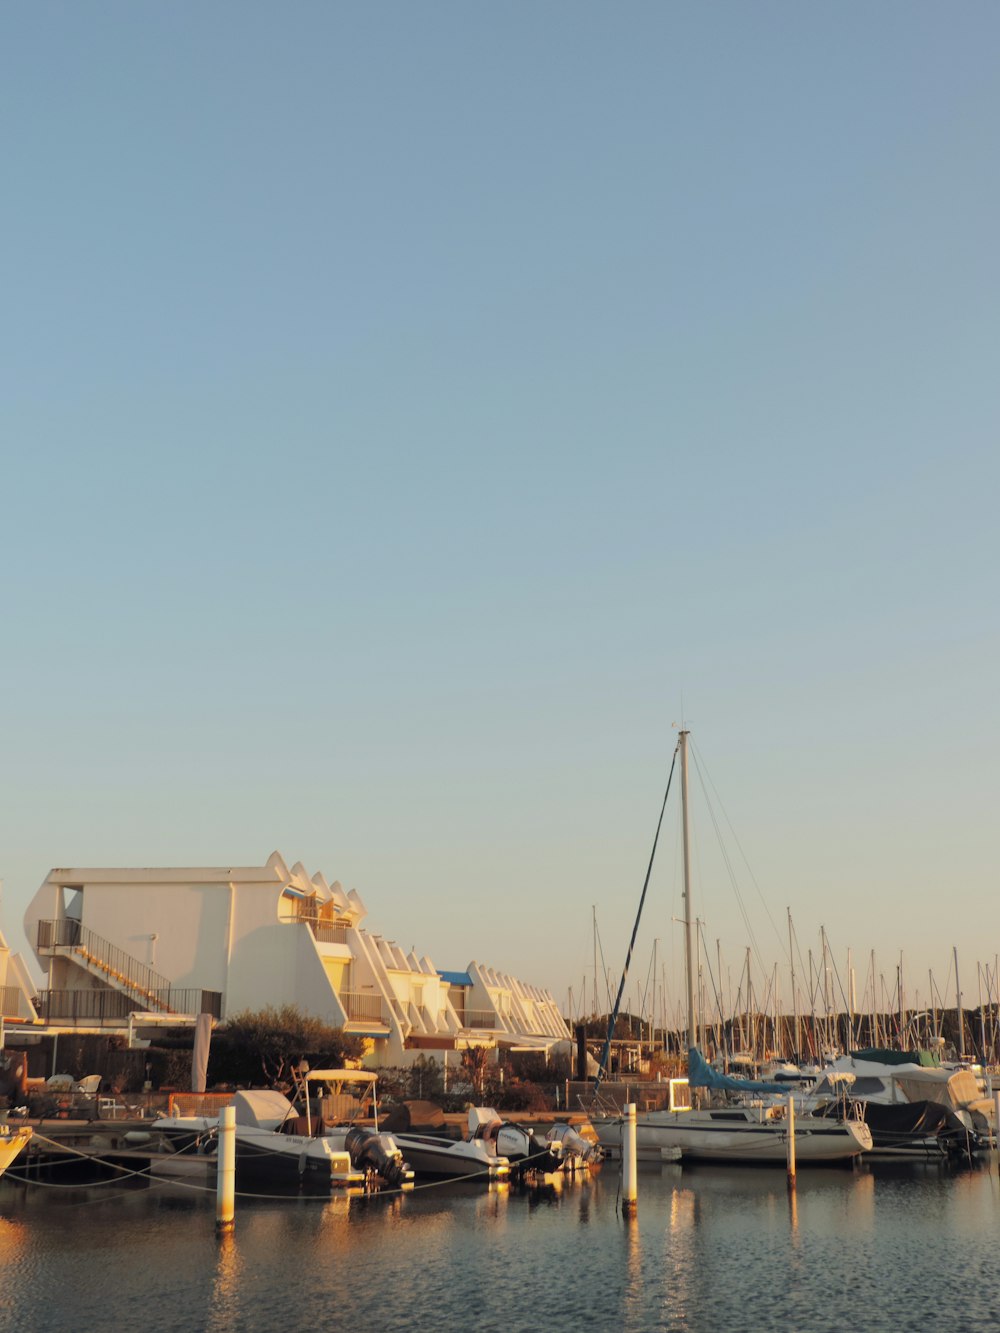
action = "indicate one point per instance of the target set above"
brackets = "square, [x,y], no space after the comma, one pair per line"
[732,1132]
[12,1143]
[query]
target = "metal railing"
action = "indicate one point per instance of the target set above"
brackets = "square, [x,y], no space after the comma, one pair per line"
[328,932]
[362,1006]
[115,1005]
[118,966]
[12,1003]
[478,1018]
[98,1006]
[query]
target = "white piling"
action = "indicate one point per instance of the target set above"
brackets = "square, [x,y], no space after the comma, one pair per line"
[225,1199]
[791,1143]
[629,1167]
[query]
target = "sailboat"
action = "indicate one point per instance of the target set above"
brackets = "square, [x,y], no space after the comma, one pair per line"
[751,1131]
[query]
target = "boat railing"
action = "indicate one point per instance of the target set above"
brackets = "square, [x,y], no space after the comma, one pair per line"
[613,1096]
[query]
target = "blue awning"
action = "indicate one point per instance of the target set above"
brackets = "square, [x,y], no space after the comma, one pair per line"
[456,978]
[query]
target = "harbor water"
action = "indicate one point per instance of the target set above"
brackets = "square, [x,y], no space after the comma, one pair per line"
[712,1248]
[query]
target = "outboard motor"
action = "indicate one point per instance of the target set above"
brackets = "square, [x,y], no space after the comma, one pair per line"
[522,1149]
[378,1153]
[576,1149]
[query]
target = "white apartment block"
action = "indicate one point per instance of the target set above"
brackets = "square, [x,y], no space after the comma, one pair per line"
[140,948]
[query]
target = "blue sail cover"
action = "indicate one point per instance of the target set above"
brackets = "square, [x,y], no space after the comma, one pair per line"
[702,1075]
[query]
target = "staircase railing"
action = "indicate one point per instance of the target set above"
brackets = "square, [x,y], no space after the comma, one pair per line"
[118,966]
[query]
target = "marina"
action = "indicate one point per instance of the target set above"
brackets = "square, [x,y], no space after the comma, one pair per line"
[710,1247]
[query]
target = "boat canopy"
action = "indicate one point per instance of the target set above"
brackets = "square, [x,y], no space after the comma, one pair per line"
[929,1059]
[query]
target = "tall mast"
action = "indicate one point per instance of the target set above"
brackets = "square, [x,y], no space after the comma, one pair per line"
[688,914]
[958,1010]
[594,912]
[795,998]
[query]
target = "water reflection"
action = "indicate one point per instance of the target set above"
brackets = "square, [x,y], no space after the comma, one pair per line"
[708,1249]
[635,1289]
[223,1307]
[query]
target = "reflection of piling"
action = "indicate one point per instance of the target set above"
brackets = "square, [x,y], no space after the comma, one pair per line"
[225,1200]
[791,1142]
[629,1167]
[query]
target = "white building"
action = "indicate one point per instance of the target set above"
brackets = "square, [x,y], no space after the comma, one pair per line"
[136,948]
[16,990]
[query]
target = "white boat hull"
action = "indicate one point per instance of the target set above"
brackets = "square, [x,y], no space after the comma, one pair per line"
[451,1158]
[731,1136]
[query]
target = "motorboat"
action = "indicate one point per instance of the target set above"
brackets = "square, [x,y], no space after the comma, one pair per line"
[271,1148]
[434,1150]
[578,1153]
[520,1145]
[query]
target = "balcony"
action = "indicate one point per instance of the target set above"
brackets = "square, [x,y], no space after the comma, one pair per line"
[86,1007]
[12,1003]
[328,932]
[478,1018]
[362,1006]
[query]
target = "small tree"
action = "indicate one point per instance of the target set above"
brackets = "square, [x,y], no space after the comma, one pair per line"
[475,1060]
[266,1044]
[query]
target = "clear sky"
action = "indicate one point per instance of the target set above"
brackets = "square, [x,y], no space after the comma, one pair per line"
[411,411]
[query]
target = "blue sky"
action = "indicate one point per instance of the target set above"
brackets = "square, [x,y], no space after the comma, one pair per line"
[409,410]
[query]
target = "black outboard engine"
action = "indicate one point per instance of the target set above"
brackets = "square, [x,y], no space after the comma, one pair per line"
[522,1148]
[378,1153]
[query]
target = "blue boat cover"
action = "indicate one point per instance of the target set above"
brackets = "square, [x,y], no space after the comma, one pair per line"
[702,1075]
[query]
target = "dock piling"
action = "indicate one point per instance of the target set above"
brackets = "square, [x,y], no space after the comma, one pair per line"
[791,1142]
[629,1167]
[225,1201]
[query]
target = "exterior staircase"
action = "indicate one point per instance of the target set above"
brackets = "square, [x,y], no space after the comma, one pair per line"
[148,990]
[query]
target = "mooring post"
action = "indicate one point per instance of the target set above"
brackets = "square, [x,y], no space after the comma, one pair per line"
[225,1199]
[791,1142]
[629,1169]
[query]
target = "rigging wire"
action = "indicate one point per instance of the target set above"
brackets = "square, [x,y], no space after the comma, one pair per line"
[613,1016]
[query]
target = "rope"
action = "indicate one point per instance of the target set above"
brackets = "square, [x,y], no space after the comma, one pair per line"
[145,1173]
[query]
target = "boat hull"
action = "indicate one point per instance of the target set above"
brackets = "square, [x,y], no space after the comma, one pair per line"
[291,1159]
[441,1158]
[12,1144]
[733,1137]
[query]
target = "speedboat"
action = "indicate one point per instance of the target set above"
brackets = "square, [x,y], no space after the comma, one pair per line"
[434,1150]
[526,1153]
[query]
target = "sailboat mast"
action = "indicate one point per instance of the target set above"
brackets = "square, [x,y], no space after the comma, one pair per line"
[688,914]
[795,999]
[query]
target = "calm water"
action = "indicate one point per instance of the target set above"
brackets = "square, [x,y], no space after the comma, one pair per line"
[713,1248]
